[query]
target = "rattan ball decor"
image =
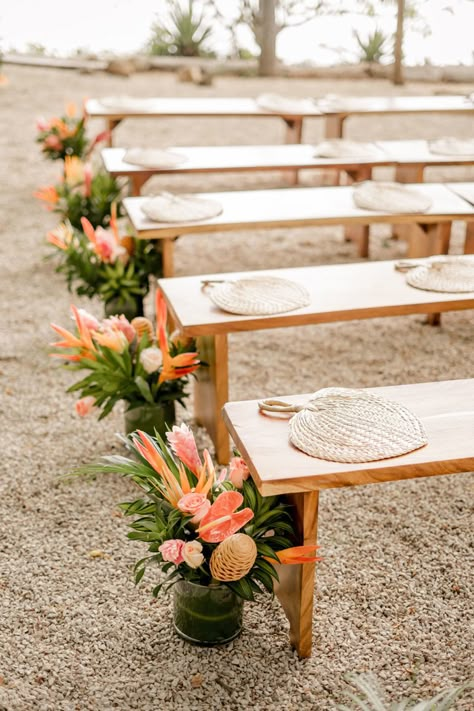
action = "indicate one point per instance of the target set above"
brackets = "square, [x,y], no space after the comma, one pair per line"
[347,425]
[390,197]
[142,325]
[153,158]
[168,207]
[258,296]
[233,558]
[451,274]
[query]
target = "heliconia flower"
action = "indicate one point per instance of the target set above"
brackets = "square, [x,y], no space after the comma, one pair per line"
[297,555]
[83,342]
[89,320]
[106,243]
[151,359]
[177,366]
[85,405]
[61,236]
[171,489]
[103,136]
[48,194]
[112,339]
[120,323]
[53,143]
[222,520]
[74,170]
[71,109]
[196,504]
[183,444]
[238,472]
[172,551]
[64,131]
[192,554]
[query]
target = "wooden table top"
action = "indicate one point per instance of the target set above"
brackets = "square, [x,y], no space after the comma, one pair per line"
[418,152]
[464,190]
[187,106]
[296,207]
[233,158]
[338,292]
[445,408]
[351,105]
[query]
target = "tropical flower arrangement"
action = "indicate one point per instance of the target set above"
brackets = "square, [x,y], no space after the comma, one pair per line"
[126,361]
[82,193]
[105,263]
[200,526]
[66,136]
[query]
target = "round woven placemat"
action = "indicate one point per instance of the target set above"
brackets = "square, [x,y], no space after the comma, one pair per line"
[284,104]
[389,197]
[259,296]
[341,148]
[180,208]
[345,425]
[446,274]
[153,158]
[452,147]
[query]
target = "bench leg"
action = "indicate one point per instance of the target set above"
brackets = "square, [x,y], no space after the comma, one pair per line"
[136,184]
[295,590]
[425,240]
[294,134]
[110,125]
[469,240]
[406,174]
[359,233]
[334,127]
[211,391]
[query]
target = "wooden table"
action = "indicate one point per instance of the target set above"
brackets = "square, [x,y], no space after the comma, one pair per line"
[304,207]
[336,110]
[447,412]
[466,192]
[341,292]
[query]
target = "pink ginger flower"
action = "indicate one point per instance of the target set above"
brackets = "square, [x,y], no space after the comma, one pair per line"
[196,504]
[184,446]
[172,551]
[85,405]
[107,248]
[42,124]
[120,323]
[238,472]
[89,321]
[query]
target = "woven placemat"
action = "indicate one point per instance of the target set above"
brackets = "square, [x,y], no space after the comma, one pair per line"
[342,148]
[153,158]
[452,147]
[390,197]
[258,296]
[167,207]
[451,274]
[131,103]
[284,104]
[346,425]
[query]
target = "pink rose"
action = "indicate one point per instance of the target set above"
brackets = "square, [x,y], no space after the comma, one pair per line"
[196,504]
[53,143]
[172,551]
[238,472]
[192,554]
[85,405]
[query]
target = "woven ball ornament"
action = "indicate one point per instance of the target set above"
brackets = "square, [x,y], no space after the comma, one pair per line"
[153,158]
[142,325]
[446,274]
[167,207]
[390,197]
[233,558]
[341,148]
[259,296]
[345,425]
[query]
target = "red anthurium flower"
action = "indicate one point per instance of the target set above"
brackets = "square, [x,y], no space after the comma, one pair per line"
[222,520]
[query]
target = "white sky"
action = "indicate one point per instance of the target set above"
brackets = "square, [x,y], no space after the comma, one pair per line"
[122,26]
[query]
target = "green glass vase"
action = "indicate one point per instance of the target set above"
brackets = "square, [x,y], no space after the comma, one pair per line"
[206,615]
[130,308]
[148,418]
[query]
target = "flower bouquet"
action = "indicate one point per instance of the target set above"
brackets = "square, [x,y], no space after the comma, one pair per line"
[104,263]
[80,193]
[214,537]
[126,361]
[66,136]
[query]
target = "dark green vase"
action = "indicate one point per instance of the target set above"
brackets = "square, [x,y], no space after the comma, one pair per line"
[206,615]
[148,418]
[130,308]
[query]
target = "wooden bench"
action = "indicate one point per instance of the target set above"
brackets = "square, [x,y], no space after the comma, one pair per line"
[410,158]
[447,412]
[304,207]
[339,109]
[341,292]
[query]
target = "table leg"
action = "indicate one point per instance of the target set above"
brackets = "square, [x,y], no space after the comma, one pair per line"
[294,133]
[425,240]
[167,256]
[136,184]
[211,391]
[406,174]
[334,127]
[359,233]
[469,240]
[295,590]
[111,124]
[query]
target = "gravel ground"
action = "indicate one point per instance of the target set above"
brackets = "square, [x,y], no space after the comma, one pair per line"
[394,593]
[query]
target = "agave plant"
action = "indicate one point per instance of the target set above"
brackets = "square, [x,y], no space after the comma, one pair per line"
[374,47]
[185,34]
[370,697]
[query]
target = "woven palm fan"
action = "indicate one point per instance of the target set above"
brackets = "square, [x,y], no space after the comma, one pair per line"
[258,296]
[345,425]
[167,207]
[233,558]
[453,274]
[284,104]
[153,158]
[452,147]
[341,148]
[390,197]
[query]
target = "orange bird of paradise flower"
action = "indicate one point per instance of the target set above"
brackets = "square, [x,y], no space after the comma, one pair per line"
[83,343]
[296,555]
[176,366]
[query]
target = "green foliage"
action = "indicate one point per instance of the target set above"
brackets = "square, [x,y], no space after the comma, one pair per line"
[184,35]
[374,47]
[63,137]
[95,204]
[370,697]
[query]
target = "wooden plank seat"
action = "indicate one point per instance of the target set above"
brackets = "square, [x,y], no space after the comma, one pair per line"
[341,292]
[447,413]
[304,207]
[410,158]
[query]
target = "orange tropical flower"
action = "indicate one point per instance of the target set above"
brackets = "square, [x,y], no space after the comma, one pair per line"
[74,170]
[222,520]
[61,236]
[170,488]
[297,555]
[114,339]
[70,109]
[83,342]
[48,194]
[176,366]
